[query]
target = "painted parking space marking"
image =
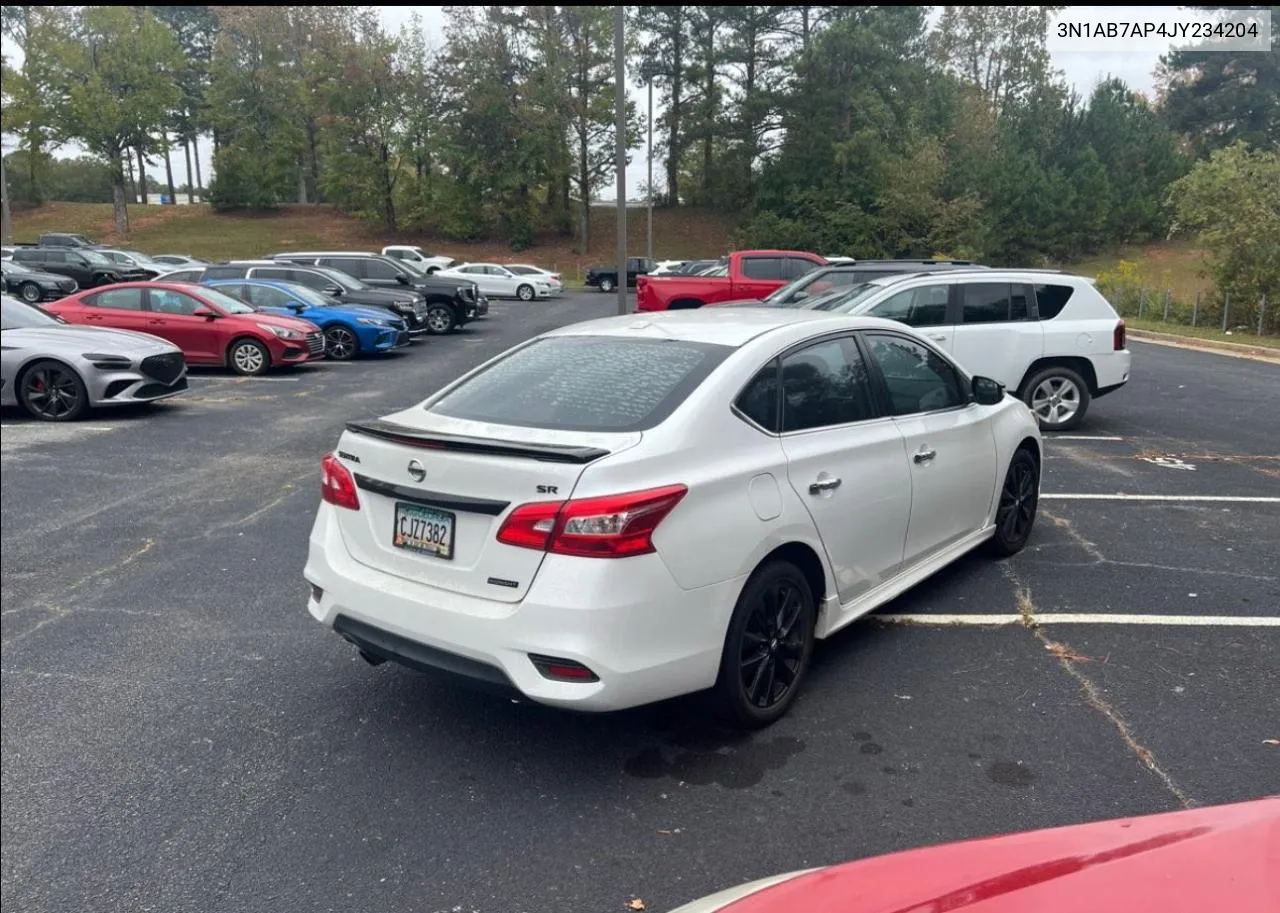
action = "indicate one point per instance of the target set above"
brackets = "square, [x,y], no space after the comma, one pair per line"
[1082,437]
[1080,618]
[1170,499]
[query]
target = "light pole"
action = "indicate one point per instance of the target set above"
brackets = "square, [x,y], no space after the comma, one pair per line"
[620,117]
[648,71]
[6,220]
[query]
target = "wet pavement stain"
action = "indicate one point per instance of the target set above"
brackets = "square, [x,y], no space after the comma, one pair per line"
[870,748]
[707,760]
[854,788]
[1010,773]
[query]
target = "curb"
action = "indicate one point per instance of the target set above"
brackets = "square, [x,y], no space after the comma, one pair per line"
[1214,346]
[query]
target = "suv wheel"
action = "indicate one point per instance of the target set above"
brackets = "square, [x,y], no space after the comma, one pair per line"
[606,284]
[1058,396]
[440,319]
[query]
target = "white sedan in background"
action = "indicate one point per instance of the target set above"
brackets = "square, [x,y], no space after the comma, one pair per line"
[527,269]
[629,509]
[497,281]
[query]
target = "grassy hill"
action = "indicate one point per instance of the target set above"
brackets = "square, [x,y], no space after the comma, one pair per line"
[200,232]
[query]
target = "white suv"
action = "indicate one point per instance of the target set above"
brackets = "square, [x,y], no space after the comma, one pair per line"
[425,261]
[1049,337]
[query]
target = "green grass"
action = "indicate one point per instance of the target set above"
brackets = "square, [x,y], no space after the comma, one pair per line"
[1238,337]
[1174,266]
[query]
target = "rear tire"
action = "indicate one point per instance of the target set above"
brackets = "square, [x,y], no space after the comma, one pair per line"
[1058,396]
[30,293]
[767,648]
[248,358]
[607,285]
[1016,511]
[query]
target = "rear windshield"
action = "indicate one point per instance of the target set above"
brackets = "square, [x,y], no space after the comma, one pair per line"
[585,383]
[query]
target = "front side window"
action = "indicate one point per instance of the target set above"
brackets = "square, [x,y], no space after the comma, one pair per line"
[176,304]
[825,384]
[917,307]
[917,378]
[584,383]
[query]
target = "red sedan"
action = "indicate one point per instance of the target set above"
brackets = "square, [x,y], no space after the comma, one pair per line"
[1206,860]
[210,327]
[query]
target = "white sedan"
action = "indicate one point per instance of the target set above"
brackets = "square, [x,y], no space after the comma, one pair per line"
[629,509]
[527,269]
[497,281]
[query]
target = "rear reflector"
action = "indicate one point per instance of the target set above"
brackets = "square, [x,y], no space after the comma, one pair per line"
[616,526]
[562,670]
[338,487]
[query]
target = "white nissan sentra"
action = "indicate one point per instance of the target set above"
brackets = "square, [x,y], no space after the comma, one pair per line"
[633,508]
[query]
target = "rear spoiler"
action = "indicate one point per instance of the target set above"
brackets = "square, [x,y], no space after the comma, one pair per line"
[432,440]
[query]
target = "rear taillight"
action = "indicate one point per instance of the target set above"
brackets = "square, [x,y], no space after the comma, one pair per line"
[555,276]
[617,526]
[339,488]
[1117,337]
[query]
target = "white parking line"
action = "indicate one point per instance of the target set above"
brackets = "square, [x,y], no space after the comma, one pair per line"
[1083,618]
[33,425]
[1190,499]
[1081,437]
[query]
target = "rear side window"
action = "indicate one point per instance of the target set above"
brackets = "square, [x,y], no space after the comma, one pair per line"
[279,273]
[585,383]
[1051,299]
[759,400]
[224,272]
[119,299]
[986,302]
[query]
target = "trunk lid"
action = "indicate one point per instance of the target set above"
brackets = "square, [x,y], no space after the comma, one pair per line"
[449,483]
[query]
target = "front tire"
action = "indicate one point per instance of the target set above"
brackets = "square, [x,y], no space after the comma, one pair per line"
[51,392]
[340,343]
[30,293]
[768,647]
[440,319]
[525,293]
[1058,396]
[248,358]
[607,285]
[1016,512]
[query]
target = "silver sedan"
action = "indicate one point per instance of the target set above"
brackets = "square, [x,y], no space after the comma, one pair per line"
[58,372]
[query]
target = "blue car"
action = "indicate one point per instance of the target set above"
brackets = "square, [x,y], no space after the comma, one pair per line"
[349,329]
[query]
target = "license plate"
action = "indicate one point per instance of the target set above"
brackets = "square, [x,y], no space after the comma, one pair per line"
[424,530]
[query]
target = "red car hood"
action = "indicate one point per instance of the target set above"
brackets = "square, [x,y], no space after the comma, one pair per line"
[1202,861]
[285,323]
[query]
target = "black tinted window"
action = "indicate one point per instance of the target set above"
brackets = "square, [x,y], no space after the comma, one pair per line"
[917,307]
[184,275]
[917,378]
[986,302]
[352,266]
[794,267]
[224,272]
[759,401]
[378,269]
[120,299]
[1051,299]
[762,267]
[282,274]
[585,383]
[825,384]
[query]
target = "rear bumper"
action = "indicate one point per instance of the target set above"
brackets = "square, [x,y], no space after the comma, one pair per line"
[627,620]
[1112,371]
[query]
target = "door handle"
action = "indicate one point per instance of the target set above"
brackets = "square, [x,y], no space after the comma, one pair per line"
[817,488]
[939,338]
[924,456]
[93,317]
[155,322]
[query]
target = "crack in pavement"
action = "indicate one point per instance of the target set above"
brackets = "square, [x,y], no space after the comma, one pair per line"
[1070,662]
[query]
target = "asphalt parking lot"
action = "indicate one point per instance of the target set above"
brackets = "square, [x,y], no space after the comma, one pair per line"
[179,735]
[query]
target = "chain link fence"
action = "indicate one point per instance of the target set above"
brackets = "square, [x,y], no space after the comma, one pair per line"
[1209,310]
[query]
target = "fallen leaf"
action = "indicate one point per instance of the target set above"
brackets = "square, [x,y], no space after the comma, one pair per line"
[1065,653]
[1271,741]
[665,833]
[635,903]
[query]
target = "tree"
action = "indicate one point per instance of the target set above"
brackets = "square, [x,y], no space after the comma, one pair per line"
[1233,201]
[1216,98]
[705,64]
[365,105]
[196,29]
[667,44]
[753,57]
[119,73]
[999,49]
[30,89]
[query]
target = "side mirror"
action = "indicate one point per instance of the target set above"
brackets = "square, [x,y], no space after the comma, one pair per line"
[297,308]
[334,290]
[799,296]
[402,279]
[206,313]
[987,392]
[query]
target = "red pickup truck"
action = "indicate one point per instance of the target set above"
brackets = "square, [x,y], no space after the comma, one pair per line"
[745,274]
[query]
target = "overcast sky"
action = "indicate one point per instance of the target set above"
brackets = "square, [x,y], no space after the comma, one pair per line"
[1082,70]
